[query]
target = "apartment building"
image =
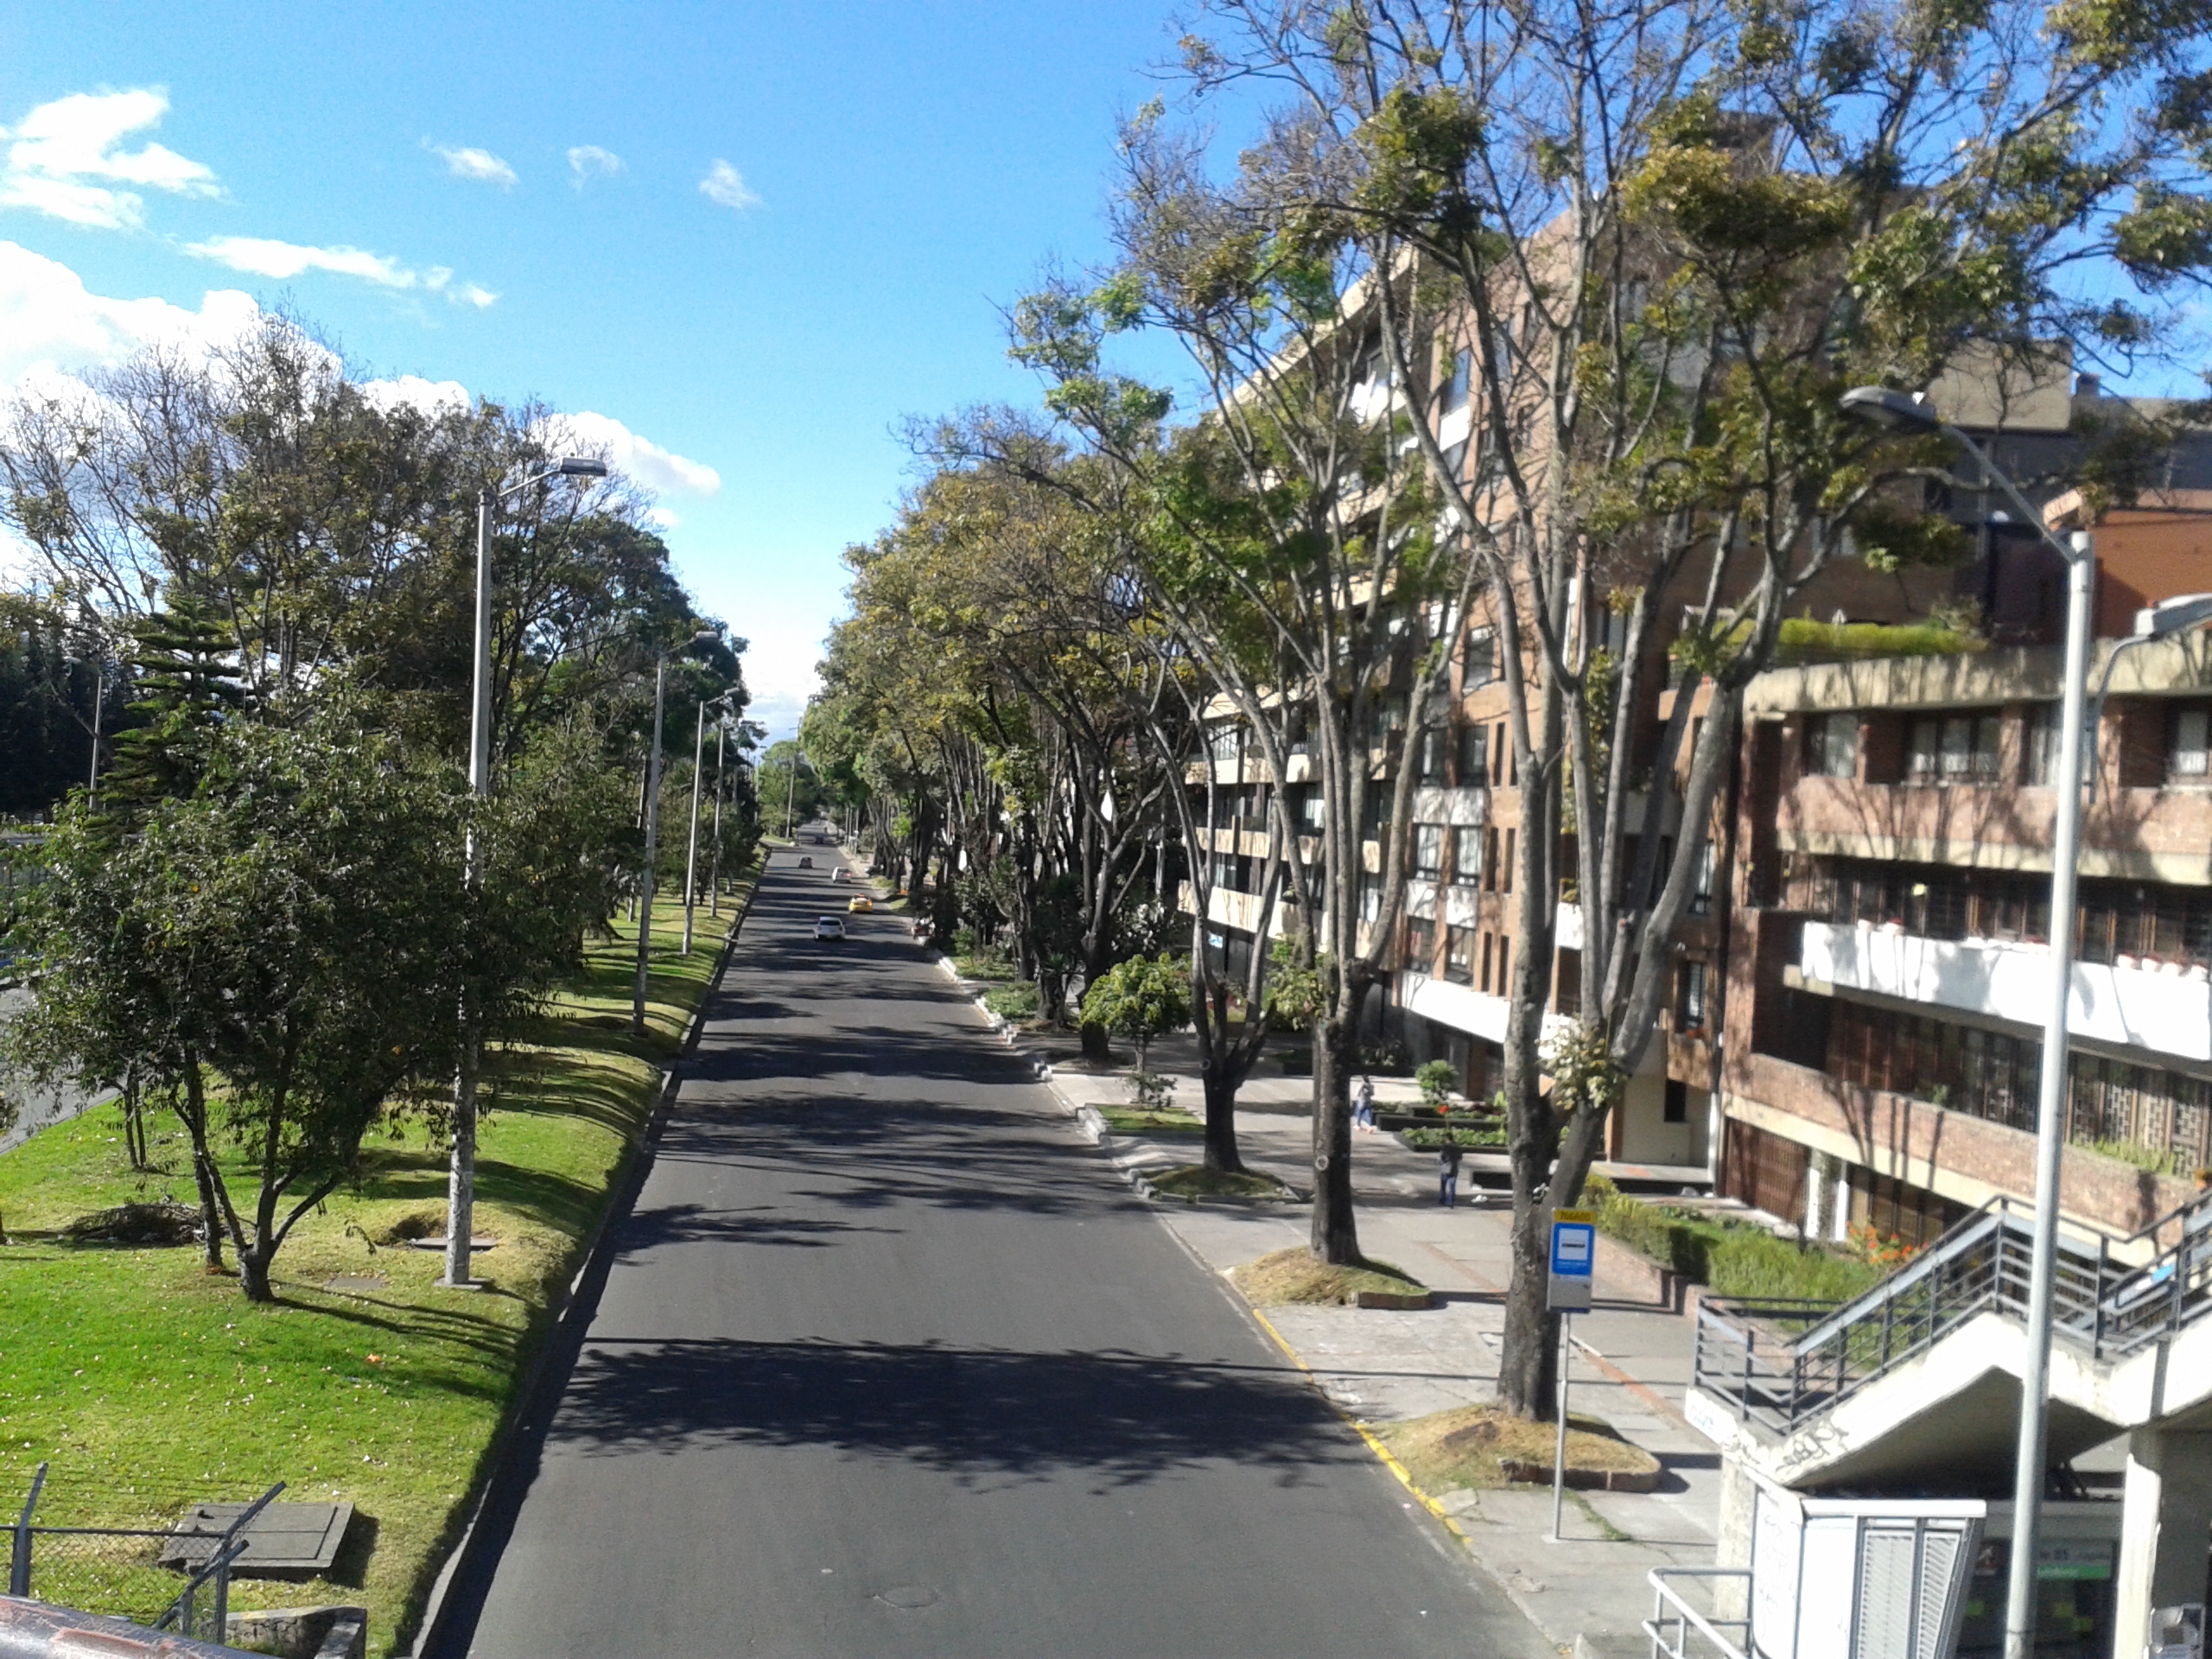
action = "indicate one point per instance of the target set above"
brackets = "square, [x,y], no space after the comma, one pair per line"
[1888,964]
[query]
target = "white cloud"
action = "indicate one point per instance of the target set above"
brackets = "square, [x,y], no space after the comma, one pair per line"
[481,165]
[662,518]
[266,256]
[50,325]
[648,463]
[588,162]
[59,147]
[413,391]
[473,294]
[726,184]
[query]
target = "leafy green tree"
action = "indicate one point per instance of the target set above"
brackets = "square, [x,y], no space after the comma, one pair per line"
[1143,999]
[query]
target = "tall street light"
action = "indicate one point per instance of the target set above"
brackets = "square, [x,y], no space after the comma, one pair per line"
[691,858]
[1899,411]
[461,1183]
[653,829]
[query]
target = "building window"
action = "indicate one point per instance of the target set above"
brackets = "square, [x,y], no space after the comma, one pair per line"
[1831,746]
[1566,980]
[2043,744]
[1689,1006]
[1420,945]
[1309,806]
[1429,851]
[1474,756]
[2189,744]
[1432,756]
[1505,869]
[1371,897]
[1953,749]
[1221,742]
[1460,955]
[1466,856]
[1487,939]
[1479,667]
[1677,1107]
[1701,893]
[1455,397]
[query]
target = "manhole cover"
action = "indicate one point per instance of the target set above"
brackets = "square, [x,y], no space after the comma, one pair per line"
[909,1595]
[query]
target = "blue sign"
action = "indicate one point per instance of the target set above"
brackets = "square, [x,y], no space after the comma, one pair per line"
[1574,1251]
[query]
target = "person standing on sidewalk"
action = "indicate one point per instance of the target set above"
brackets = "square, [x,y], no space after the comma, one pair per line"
[1363,1105]
[1448,1170]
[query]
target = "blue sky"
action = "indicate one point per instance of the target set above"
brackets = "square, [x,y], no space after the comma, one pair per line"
[755,237]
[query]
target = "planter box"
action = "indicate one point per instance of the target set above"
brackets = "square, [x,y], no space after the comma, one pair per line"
[1584,1480]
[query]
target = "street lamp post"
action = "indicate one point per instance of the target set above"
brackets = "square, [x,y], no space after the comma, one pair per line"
[461,1183]
[721,778]
[1902,412]
[652,830]
[691,858]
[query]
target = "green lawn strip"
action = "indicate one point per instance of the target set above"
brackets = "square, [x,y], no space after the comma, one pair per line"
[148,1384]
[1019,1001]
[1735,1257]
[1124,1120]
[1293,1275]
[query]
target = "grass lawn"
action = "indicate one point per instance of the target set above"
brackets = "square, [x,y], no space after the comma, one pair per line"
[1468,1446]
[148,1384]
[1293,1275]
[1128,1120]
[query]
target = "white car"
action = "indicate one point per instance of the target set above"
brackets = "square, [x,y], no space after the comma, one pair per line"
[829,927]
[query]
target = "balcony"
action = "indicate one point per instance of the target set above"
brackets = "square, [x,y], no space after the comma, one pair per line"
[2163,1010]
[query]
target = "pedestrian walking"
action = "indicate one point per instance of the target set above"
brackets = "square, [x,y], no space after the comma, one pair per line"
[1363,1105]
[1448,1170]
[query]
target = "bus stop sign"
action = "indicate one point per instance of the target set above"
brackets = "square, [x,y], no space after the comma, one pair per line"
[1574,1247]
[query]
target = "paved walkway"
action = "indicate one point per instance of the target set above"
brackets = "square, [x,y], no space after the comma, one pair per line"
[1630,1367]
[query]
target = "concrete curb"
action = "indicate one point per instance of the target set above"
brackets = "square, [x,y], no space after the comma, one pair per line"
[1093,1124]
[621,1193]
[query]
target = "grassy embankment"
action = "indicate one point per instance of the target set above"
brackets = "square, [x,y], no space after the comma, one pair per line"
[148,1384]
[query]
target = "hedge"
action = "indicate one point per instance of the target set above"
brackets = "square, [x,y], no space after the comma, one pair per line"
[1734,1258]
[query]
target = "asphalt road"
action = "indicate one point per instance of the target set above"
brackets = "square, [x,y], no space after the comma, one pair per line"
[888,1362]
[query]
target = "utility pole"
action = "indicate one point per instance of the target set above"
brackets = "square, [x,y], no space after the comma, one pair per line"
[721,775]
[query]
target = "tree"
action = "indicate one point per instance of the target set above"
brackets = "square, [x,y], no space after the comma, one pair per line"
[789,788]
[1143,999]
[1670,235]
[1292,543]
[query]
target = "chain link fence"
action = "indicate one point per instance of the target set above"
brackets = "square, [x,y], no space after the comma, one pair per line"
[130,1550]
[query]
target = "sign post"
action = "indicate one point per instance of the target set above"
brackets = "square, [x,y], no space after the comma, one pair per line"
[1567,1293]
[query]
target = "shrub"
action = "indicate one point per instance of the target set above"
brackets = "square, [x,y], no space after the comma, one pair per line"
[1437,1079]
[1735,1258]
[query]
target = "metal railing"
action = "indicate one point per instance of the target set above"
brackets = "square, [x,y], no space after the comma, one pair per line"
[1780,1362]
[1673,1620]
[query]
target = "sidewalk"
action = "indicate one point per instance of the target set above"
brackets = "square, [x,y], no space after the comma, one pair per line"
[1631,1366]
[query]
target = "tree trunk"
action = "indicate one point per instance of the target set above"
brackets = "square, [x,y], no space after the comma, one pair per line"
[254,1274]
[1528,1361]
[1096,1046]
[1335,1056]
[1220,1083]
[195,1115]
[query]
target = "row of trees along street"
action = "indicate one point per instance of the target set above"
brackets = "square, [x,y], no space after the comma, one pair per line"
[249,606]
[1646,246]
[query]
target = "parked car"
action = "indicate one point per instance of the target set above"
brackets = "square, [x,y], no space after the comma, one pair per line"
[829,927]
[859,901]
[841,876]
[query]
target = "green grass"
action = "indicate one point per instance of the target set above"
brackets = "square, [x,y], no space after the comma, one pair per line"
[991,966]
[1018,1001]
[1126,1120]
[1736,1258]
[147,1383]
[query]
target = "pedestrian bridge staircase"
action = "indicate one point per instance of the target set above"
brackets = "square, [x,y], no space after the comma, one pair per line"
[1919,1376]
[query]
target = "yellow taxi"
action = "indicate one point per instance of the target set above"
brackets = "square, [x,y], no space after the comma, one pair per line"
[861,902]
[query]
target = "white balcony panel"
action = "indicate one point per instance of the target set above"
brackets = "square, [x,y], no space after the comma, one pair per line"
[1421,898]
[1455,426]
[1461,807]
[1567,927]
[1460,1006]
[2148,1008]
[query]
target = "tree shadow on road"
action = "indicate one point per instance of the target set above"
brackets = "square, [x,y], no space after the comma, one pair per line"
[982,1414]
